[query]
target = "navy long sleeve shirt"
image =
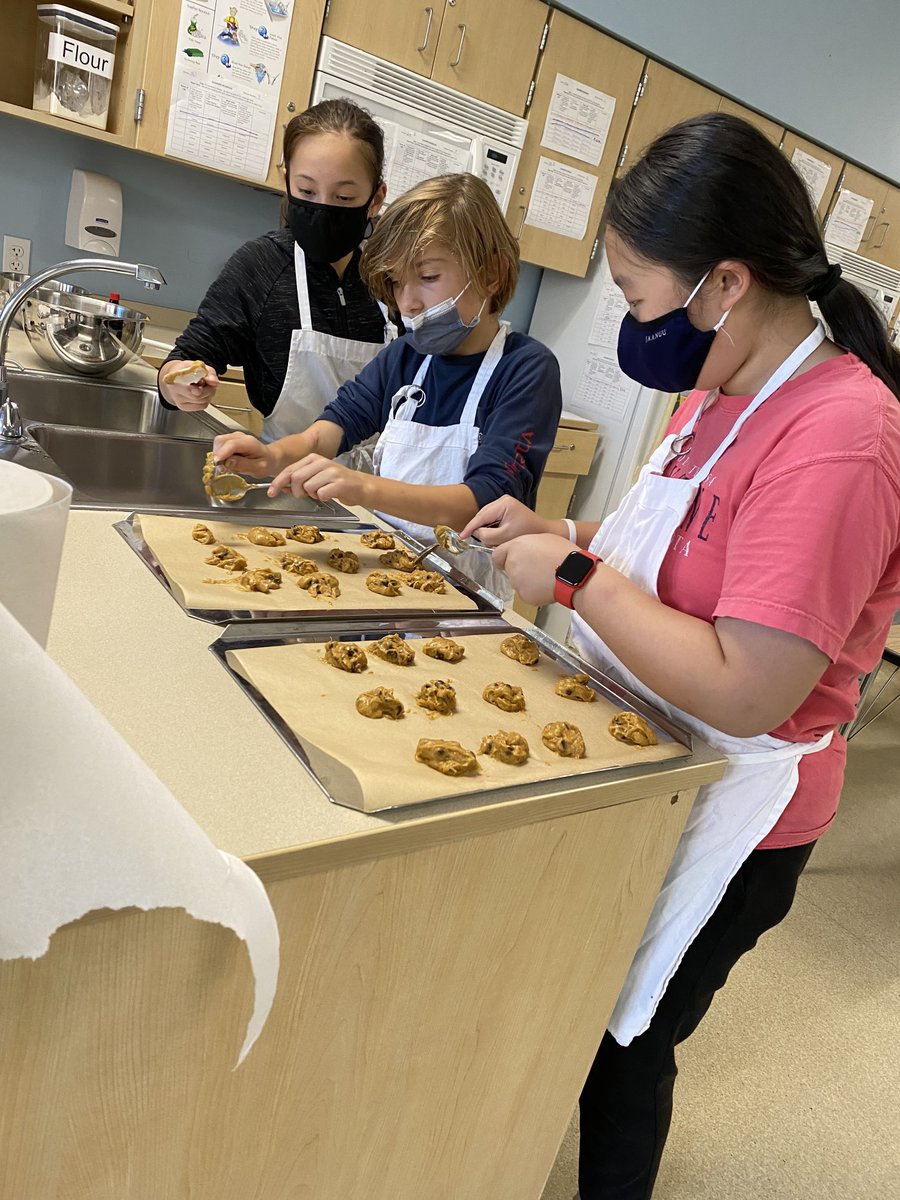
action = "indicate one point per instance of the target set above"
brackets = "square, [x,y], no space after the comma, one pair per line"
[517,415]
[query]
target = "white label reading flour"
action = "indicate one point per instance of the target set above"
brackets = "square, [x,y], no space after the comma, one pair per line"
[73,53]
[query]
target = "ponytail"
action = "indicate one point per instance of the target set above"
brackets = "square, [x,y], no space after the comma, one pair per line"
[714,187]
[857,325]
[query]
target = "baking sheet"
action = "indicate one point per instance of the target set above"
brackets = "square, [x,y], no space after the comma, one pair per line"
[370,764]
[166,546]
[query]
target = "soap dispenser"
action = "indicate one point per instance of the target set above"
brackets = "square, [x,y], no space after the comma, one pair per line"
[94,217]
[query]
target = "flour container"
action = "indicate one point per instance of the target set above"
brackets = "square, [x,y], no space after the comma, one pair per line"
[75,59]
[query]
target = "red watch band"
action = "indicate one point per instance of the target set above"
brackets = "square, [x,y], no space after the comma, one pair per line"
[572,566]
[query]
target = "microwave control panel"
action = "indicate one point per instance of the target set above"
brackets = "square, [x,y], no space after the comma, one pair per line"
[497,164]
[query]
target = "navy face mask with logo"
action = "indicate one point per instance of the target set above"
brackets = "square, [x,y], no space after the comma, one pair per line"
[667,353]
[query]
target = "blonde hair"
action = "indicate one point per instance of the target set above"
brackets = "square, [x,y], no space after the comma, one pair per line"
[460,212]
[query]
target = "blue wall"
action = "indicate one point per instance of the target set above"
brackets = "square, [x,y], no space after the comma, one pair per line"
[184,221]
[827,68]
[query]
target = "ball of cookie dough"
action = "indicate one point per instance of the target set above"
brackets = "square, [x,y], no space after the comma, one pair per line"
[521,648]
[437,696]
[383,583]
[346,656]
[444,649]
[393,649]
[262,579]
[296,564]
[450,758]
[227,559]
[380,702]
[563,739]
[260,536]
[426,581]
[575,687]
[506,747]
[202,533]
[320,583]
[304,533]
[343,560]
[506,696]
[629,727]
[398,560]
[378,540]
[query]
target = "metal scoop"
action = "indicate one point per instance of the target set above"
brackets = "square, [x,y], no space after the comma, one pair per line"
[448,539]
[231,487]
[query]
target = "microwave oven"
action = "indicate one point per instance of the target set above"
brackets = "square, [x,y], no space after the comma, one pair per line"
[429,129]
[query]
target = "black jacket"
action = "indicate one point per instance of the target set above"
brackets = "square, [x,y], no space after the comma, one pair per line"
[247,316]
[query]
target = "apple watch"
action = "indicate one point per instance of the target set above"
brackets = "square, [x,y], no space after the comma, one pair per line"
[573,573]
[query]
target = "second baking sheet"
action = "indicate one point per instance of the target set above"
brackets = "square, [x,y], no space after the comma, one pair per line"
[370,764]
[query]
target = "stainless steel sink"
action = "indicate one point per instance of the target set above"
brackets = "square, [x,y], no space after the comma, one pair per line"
[64,400]
[149,473]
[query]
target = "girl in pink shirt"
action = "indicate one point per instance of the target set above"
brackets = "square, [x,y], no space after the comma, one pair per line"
[743,585]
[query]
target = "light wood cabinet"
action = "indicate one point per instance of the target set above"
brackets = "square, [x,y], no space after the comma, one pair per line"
[793,143]
[20,32]
[592,58]
[404,32]
[884,244]
[862,183]
[773,131]
[486,50]
[665,99]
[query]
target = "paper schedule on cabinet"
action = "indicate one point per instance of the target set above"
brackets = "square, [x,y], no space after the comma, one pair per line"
[578,120]
[229,58]
[814,172]
[561,199]
[847,222]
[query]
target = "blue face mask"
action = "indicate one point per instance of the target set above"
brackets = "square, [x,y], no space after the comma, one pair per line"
[439,329]
[668,353]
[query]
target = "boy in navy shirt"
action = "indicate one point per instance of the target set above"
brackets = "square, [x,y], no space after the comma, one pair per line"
[466,410]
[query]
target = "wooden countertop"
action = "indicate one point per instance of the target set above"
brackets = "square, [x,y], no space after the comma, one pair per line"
[145,665]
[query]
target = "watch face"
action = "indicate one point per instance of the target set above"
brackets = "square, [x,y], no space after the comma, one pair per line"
[575,568]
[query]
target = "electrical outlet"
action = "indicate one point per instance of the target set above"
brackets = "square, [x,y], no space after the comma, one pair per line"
[16,254]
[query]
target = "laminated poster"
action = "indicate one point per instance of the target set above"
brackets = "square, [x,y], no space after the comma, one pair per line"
[611,308]
[561,199]
[578,120]
[229,59]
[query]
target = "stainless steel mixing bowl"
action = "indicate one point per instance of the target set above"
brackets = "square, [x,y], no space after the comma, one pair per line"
[83,333]
[10,280]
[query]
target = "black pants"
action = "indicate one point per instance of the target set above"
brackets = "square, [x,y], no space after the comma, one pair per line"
[626,1105]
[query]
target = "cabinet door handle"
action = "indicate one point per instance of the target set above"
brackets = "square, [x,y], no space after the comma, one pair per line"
[865,237]
[524,210]
[429,12]
[459,48]
[885,225]
[562,447]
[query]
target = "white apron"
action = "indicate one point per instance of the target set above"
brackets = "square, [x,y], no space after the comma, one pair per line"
[439,454]
[730,817]
[318,364]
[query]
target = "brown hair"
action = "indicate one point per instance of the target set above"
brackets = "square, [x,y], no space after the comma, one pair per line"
[457,210]
[336,116]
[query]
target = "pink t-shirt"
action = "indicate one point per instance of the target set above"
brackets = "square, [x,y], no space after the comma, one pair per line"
[798,528]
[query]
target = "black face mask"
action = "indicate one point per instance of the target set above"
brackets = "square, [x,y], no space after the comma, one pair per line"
[327,232]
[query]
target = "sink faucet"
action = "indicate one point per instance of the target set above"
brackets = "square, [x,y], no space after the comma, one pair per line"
[148,276]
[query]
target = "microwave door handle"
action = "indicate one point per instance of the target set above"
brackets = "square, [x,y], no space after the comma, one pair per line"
[476,155]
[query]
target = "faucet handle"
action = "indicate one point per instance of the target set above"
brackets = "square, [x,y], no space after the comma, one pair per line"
[11,429]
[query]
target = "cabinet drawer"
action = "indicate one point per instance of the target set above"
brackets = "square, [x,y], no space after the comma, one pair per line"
[573,452]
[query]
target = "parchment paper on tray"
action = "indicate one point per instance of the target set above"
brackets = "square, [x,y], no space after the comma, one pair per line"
[182,561]
[370,764]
